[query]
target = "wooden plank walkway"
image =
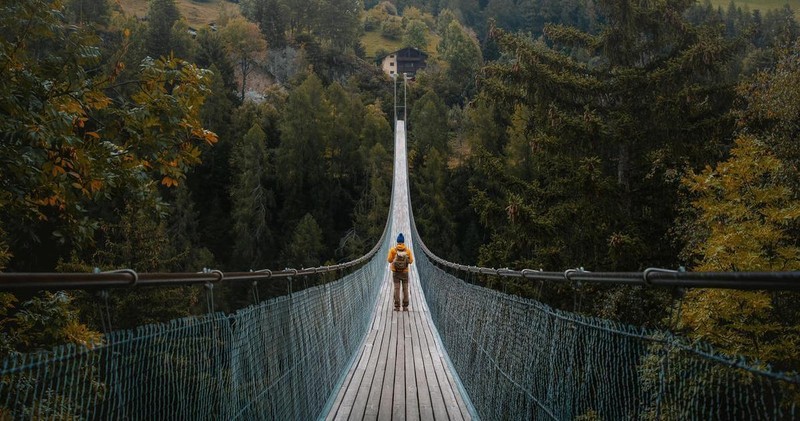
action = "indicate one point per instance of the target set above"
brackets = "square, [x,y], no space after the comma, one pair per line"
[402,371]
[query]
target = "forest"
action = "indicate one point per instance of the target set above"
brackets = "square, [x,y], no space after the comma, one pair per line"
[552,134]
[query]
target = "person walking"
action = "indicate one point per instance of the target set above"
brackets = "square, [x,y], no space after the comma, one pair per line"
[400,258]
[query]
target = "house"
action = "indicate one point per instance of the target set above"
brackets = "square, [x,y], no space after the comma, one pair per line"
[407,60]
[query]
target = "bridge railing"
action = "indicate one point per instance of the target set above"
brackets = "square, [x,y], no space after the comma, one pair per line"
[122,278]
[278,359]
[521,359]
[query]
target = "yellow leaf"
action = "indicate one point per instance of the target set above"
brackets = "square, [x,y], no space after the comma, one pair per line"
[169,181]
[96,185]
[81,334]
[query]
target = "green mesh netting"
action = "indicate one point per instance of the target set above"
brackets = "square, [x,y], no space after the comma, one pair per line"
[520,359]
[276,360]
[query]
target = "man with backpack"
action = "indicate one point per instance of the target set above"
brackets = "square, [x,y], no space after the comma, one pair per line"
[400,257]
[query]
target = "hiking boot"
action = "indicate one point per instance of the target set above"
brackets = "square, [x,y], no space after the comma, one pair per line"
[405,308]
[397,309]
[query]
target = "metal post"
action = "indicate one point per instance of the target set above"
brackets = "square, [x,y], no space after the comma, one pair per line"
[405,102]
[394,83]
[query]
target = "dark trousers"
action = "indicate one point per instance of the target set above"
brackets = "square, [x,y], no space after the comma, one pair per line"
[400,280]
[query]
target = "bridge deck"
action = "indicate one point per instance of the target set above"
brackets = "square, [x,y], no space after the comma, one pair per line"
[402,372]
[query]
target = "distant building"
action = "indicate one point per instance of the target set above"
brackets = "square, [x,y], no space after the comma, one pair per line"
[407,60]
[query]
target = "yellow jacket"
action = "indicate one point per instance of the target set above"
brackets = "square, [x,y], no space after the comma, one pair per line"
[393,253]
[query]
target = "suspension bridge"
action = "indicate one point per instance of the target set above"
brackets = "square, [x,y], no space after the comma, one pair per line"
[337,351]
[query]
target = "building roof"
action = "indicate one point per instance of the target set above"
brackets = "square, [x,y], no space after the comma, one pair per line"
[398,53]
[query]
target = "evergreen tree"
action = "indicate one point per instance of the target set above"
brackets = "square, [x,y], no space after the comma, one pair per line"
[88,11]
[431,207]
[339,23]
[601,139]
[271,17]
[428,129]
[301,163]
[161,16]
[211,53]
[139,241]
[369,215]
[182,231]
[306,248]
[519,150]
[252,200]
[345,167]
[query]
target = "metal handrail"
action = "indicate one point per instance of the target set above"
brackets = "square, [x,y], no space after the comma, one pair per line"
[12,281]
[651,277]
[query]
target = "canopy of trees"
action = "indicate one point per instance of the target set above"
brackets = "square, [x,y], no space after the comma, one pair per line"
[612,135]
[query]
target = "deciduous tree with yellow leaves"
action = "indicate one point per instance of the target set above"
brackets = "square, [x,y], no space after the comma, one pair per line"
[746,219]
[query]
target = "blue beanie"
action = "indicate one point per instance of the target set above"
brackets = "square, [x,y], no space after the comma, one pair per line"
[400,238]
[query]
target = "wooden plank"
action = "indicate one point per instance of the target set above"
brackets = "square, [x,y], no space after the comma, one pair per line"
[420,354]
[388,384]
[399,381]
[429,352]
[343,407]
[360,402]
[411,399]
[446,403]
[373,400]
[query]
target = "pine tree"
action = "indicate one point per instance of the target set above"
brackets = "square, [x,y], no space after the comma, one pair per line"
[183,234]
[301,161]
[608,122]
[88,11]
[271,17]
[339,23]
[306,248]
[345,170]
[429,125]
[252,200]
[161,16]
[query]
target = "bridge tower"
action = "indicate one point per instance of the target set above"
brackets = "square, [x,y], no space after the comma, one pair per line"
[400,110]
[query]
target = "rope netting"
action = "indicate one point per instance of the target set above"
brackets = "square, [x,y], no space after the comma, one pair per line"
[520,359]
[279,359]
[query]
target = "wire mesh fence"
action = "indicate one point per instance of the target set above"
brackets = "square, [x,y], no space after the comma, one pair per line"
[520,359]
[279,359]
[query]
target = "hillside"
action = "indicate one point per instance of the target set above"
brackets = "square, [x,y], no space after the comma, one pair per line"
[197,13]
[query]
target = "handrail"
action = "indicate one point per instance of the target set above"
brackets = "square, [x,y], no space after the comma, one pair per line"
[651,277]
[13,281]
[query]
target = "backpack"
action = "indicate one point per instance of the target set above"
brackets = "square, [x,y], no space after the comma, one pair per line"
[400,260]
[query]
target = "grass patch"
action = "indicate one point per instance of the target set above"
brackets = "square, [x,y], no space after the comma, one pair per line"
[762,5]
[373,41]
[197,13]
